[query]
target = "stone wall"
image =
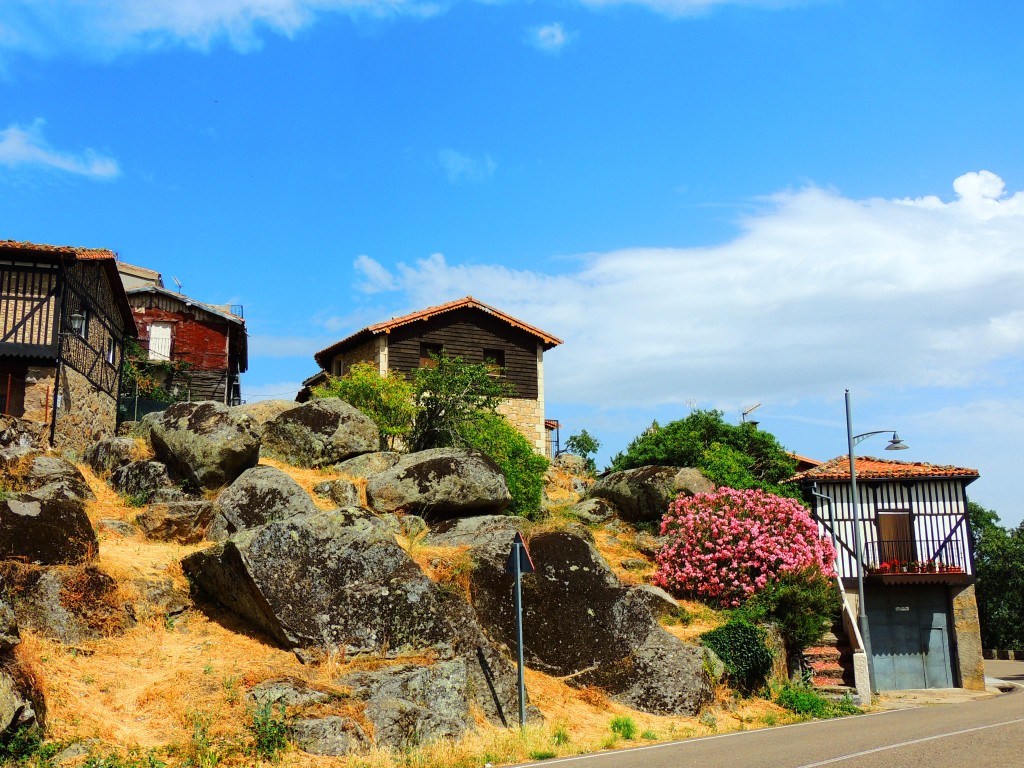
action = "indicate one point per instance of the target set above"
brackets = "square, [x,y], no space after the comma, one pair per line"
[38,394]
[526,416]
[86,414]
[967,637]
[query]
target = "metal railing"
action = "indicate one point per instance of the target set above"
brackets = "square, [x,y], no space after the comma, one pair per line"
[916,556]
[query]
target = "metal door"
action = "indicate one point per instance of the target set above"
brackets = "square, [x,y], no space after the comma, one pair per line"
[910,637]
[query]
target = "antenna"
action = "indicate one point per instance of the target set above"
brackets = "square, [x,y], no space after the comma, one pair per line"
[177,282]
[750,410]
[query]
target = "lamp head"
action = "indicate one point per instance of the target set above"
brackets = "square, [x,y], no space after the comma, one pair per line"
[896,444]
[77,323]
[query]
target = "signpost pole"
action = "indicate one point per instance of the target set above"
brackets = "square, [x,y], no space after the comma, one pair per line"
[519,632]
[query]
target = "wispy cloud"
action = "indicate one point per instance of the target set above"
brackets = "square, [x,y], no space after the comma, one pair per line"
[461,168]
[683,8]
[550,38]
[25,147]
[114,26]
[818,291]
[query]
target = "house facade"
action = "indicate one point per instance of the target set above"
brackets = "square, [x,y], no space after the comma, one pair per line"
[917,564]
[64,318]
[465,328]
[207,342]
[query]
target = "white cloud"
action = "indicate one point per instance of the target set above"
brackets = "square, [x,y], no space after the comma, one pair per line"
[376,278]
[550,38]
[26,147]
[462,168]
[817,292]
[113,26]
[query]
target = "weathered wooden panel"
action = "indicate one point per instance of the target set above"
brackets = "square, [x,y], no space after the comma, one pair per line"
[28,304]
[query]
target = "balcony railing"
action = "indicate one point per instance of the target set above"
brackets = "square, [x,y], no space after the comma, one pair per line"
[916,556]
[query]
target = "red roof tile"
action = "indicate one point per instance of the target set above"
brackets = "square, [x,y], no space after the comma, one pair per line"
[323,356]
[870,468]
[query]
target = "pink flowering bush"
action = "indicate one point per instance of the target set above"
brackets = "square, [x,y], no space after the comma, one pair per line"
[726,545]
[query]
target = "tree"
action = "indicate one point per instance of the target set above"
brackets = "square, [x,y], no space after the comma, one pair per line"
[999,565]
[450,396]
[736,456]
[388,400]
[726,545]
[583,445]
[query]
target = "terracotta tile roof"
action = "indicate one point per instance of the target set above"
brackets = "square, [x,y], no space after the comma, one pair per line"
[323,356]
[71,250]
[870,468]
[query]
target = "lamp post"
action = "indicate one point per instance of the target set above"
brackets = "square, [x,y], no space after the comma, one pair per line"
[895,444]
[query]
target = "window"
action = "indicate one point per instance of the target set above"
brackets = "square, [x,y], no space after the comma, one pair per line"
[494,359]
[426,350]
[111,351]
[160,341]
[339,366]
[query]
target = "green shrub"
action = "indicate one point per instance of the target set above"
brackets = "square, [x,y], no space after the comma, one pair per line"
[542,754]
[649,735]
[803,604]
[560,736]
[269,731]
[741,647]
[807,701]
[523,468]
[624,727]
[387,400]
[22,744]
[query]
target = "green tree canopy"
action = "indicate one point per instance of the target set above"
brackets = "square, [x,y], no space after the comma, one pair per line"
[999,564]
[388,400]
[734,455]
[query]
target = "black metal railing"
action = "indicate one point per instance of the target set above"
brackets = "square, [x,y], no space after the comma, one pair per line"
[916,556]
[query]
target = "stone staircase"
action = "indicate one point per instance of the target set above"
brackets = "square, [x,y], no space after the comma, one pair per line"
[831,664]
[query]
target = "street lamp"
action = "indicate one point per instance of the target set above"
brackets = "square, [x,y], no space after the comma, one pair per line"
[895,444]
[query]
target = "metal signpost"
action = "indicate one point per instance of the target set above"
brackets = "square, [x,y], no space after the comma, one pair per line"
[518,563]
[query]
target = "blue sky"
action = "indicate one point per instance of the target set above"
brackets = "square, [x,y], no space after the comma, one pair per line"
[715,204]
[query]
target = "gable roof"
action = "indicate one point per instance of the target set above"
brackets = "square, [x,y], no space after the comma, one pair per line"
[188,302]
[106,259]
[870,468]
[323,357]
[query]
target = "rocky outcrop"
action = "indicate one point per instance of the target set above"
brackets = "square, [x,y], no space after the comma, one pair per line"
[104,456]
[263,411]
[46,531]
[260,495]
[344,493]
[320,433]
[440,483]
[337,581]
[594,511]
[644,493]
[19,433]
[579,620]
[20,704]
[184,522]
[141,479]
[206,443]
[51,477]
[9,636]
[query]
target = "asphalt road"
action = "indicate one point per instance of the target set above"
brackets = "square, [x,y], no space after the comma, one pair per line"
[972,734]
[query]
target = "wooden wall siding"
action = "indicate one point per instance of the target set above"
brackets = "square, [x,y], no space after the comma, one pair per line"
[937,514]
[28,310]
[88,291]
[466,333]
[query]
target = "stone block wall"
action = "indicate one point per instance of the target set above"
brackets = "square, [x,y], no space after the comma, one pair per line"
[967,636]
[528,417]
[86,413]
[38,394]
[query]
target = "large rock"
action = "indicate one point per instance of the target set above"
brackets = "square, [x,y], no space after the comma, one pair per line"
[20,704]
[440,483]
[368,464]
[104,456]
[644,493]
[263,411]
[9,636]
[69,604]
[337,580]
[19,433]
[258,496]
[206,443]
[331,736]
[184,522]
[320,433]
[45,531]
[51,477]
[141,479]
[580,621]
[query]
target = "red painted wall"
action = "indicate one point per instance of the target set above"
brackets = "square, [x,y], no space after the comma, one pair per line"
[203,343]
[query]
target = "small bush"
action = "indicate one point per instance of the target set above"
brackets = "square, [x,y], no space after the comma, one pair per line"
[649,735]
[542,754]
[560,736]
[523,468]
[624,727]
[387,400]
[741,647]
[269,730]
[802,604]
[806,701]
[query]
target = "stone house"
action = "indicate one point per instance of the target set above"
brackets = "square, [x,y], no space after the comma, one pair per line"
[63,323]
[917,563]
[465,328]
[209,342]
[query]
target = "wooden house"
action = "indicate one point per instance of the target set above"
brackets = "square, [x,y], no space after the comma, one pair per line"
[917,566]
[465,328]
[209,342]
[64,318]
